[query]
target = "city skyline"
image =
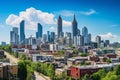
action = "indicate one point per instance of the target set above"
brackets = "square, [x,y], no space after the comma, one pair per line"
[93,16]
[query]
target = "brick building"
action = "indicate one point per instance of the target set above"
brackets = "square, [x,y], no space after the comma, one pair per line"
[79,72]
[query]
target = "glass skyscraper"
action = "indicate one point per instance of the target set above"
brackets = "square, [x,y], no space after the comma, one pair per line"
[85,35]
[74,28]
[14,37]
[59,26]
[52,36]
[22,32]
[39,32]
[84,31]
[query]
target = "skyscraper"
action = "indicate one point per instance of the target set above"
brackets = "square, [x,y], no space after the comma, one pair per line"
[44,37]
[89,38]
[14,37]
[39,32]
[98,39]
[74,28]
[59,26]
[84,31]
[22,32]
[52,37]
[85,35]
[48,36]
[78,33]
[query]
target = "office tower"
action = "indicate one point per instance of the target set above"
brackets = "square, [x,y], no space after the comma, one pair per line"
[32,41]
[59,26]
[48,36]
[61,34]
[98,39]
[44,37]
[82,40]
[14,37]
[84,31]
[107,43]
[68,34]
[3,43]
[68,39]
[39,31]
[78,32]
[85,35]
[26,41]
[74,28]
[52,37]
[11,37]
[22,32]
[89,38]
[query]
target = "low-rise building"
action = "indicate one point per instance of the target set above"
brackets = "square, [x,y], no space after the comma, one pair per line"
[79,71]
[8,71]
[76,60]
[39,57]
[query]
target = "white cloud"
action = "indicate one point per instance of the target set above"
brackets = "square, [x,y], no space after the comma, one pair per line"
[52,28]
[33,16]
[66,23]
[90,12]
[111,37]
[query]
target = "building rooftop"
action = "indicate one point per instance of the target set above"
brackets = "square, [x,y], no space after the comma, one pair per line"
[98,66]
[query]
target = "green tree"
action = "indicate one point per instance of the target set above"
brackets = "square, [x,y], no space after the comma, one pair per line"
[95,76]
[8,48]
[16,54]
[29,73]
[86,77]
[113,77]
[83,54]
[104,59]
[34,65]
[61,52]
[23,57]
[22,70]
[51,71]
[45,68]
[102,73]
[117,70]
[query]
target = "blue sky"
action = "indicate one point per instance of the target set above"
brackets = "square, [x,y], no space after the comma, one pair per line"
[101,17]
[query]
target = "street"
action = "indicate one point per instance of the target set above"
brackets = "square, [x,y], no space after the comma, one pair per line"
[15,60]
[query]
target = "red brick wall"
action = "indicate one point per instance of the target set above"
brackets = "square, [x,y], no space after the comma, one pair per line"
[78,73]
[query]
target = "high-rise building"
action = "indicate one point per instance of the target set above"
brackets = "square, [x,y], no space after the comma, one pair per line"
[89,38]
[32,40]
[77,40]
[22,32]
[39,32]
[82,40]
[52,36]
[14,37]
[85,35]
[48,36]
[98,39]
[44,37]
[107,42]
[3,43]
[61,34]
[84,31]
[68,39]
[78,33]
[59,26]
[74,28]
[68,34]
